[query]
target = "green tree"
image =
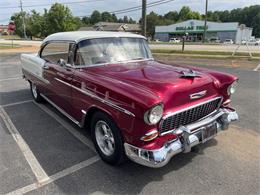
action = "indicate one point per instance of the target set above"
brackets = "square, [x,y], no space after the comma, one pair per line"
[153,20]
[36,24]
[172,16]
[106,17]
[184,13]
[86,21]
[125,19]
[18,20]
[95,17]
[59,18]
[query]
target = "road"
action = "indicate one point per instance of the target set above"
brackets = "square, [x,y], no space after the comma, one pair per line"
[216,48]
[41,152]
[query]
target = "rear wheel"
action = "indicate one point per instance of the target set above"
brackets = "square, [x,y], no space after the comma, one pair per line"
[107,139]
[35,92]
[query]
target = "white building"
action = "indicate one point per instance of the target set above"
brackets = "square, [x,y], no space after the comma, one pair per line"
[195,29]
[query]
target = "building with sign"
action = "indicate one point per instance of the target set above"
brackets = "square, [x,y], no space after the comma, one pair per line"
[195,29]
[4,29]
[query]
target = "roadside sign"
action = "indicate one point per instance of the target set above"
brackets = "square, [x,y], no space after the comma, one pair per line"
[11,26]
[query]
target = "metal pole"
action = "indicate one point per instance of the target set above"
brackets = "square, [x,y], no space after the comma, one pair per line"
[24,31]
[144,18]
[205,22]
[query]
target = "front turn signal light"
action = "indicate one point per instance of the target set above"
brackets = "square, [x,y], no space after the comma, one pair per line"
[150,136]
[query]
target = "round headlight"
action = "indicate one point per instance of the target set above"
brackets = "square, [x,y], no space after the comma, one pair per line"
[154,115]
[232,88]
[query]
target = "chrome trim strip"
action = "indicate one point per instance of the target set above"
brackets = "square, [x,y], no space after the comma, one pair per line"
[103,64]
[89,93]
[62,111]
[198,95]
[182,110]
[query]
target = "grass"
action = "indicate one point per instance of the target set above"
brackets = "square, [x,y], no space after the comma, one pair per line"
[220,53]
[10,37]
[9,46]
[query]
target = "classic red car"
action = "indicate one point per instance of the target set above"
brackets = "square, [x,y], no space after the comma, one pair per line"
[134,106]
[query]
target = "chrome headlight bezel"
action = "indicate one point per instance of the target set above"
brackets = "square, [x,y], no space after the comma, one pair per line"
[154,115]
[232,88]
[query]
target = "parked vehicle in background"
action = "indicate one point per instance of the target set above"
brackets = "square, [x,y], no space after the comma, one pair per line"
[254,42]
[175,40]
[134,106]
[214,40]
[157,40]
[228,41]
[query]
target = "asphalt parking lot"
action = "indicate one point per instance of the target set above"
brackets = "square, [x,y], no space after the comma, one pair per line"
[42,152]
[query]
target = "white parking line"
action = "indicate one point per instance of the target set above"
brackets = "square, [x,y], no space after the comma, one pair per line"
[55,177]
[67,126]
[257,68]
[16,103]
[28,154]
[12,78]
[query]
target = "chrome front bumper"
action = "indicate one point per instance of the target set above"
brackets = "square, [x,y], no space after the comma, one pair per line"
[191,135]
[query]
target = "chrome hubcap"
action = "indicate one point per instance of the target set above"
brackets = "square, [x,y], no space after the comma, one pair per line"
[104,138]
[34,90]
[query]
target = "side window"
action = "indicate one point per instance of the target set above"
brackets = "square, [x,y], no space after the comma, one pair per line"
[55,51]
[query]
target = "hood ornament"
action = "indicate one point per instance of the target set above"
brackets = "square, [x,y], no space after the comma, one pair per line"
[198,95]
[189,74]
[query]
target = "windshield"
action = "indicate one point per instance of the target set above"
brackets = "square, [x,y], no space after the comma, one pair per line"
[111,50]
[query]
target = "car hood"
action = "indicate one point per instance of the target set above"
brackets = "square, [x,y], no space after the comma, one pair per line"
[167,82]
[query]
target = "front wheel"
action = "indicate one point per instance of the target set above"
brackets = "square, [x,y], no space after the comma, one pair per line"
[107,139]
[35,92]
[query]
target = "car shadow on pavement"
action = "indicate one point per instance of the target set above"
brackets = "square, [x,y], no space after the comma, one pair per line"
[15,96]
[128,178]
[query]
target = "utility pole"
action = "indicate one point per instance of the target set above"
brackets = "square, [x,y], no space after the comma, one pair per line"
[24,31]
[144,18]
[205,23]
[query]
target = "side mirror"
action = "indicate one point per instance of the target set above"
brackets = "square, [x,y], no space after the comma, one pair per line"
[62,62]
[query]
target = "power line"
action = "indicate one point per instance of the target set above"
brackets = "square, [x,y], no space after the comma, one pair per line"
[136,8]
[41,5]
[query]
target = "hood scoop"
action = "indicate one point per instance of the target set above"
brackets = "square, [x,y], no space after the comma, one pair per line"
[189,74]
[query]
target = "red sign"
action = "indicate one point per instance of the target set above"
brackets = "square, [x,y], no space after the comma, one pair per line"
[11,26]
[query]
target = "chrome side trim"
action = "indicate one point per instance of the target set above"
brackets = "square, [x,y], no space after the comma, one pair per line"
[184,109]
[62,111]
[89,93]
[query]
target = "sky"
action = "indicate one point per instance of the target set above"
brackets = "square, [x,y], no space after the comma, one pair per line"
[8,7]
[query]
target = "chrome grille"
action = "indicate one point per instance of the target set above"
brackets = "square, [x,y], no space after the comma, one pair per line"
[189,115]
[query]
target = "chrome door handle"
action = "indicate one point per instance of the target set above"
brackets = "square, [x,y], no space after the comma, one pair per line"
[46,67]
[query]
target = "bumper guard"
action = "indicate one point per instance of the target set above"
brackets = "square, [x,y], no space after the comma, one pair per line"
[191,135]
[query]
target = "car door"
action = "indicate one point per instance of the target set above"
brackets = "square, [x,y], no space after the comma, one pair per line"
[59,73]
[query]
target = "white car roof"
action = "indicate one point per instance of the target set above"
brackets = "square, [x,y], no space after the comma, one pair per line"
[77,36]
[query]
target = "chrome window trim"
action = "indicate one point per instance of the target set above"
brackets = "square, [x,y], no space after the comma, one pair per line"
[103,64]
[89,93]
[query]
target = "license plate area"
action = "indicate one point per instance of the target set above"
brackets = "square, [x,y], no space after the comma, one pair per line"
[208,132]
